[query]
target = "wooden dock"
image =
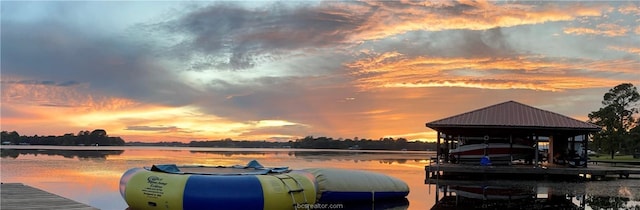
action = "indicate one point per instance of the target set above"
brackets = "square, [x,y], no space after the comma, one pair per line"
[19,196]
[524,171]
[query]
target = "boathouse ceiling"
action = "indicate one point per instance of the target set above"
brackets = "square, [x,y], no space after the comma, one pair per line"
[511,118]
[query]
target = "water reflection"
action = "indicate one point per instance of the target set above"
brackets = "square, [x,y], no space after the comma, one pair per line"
[238,153]
[80,154]
[509,194]
[392,204]
[66,173]
[355,156]
[385,157]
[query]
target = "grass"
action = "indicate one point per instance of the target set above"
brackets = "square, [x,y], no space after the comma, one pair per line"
[621,158]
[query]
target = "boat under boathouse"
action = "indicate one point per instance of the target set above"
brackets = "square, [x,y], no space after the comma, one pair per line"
[512,132]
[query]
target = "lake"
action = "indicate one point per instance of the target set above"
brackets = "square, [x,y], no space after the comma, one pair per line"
[91,175]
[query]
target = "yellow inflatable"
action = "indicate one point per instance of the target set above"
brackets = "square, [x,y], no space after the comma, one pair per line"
[146,189]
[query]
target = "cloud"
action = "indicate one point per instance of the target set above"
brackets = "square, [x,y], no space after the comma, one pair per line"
[152,128]
[605,29]
[103,66]
[630,9]
[282,132]
[392,18]
[65,94]
[36,82]
[231,36]
[632,50]
[528,72]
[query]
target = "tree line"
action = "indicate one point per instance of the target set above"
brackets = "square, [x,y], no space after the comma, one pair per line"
[368,144]
[99,137]
[308,142]
[84,138]
[618,120]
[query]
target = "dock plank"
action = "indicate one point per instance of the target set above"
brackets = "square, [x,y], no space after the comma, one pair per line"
[598,171]
[20,196]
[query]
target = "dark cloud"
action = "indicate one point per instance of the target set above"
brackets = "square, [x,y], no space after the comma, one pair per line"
[44,82]
[234,37]
[56,105]
[452,44]
[50,50]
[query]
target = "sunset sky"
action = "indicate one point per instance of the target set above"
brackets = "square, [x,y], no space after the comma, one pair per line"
[260,70]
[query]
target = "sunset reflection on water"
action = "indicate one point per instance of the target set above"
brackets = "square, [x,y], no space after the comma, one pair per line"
[91,174]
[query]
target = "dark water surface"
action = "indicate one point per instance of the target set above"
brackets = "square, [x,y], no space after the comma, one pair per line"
[91,174]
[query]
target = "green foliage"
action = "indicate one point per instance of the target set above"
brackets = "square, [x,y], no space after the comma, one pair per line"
[617,120]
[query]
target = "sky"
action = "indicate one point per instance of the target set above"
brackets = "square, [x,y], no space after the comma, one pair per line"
[277,71]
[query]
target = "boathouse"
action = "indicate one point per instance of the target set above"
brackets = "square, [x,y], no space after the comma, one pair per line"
[510,132]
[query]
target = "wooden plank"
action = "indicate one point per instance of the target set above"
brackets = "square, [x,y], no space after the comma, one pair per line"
[634,163]
[528,170]
[19,196]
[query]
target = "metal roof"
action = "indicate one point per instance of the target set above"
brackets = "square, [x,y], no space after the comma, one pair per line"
[512,114]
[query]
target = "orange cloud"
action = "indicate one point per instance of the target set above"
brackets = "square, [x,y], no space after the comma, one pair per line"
[532,73]
[42,108]
[633,50]
[605,29]
[391,19]
[630,9]
[36,109]
[73,97]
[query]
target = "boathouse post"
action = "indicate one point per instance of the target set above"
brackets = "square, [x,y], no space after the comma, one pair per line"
[572,152]
[451,144]
[446,148]
[486,145]
[537,149]
[586,147]
[511,148]
[438,149]
[457,146]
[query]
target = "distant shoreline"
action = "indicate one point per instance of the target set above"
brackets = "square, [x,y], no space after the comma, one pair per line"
[52,147]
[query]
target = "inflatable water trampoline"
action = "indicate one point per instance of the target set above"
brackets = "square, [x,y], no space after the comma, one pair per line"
[252,187]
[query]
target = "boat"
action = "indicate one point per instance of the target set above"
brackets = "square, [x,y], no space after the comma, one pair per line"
[253,186]
[495,151]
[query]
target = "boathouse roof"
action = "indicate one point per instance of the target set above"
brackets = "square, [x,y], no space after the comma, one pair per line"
[512,114]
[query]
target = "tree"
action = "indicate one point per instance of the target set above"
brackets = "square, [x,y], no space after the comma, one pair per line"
[634,136]
[616,117]
[13,137]
[98,133]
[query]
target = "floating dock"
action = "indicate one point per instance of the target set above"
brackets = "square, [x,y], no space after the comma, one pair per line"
[19,196]
[455,171]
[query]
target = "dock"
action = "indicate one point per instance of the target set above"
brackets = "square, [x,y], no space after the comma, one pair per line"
[20,196]
[446,170]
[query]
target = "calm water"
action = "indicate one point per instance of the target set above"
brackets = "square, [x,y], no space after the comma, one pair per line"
[90,175]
